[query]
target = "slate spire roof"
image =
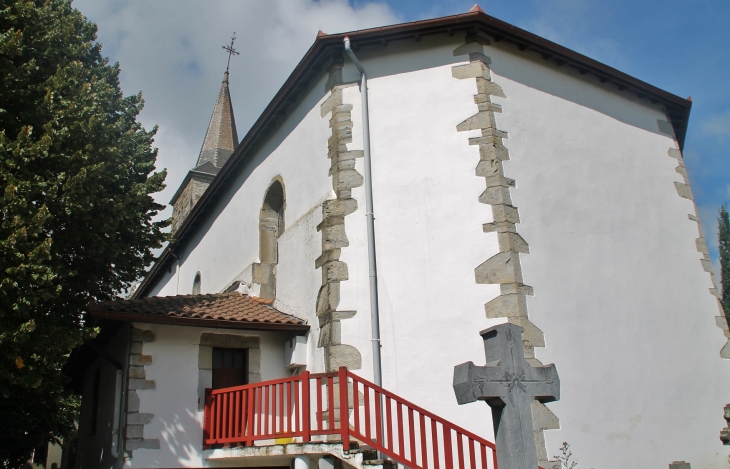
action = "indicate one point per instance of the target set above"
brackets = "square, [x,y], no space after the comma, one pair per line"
[221,138]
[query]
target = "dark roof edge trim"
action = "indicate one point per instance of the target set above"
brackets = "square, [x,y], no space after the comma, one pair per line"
[173,321]
[312,61]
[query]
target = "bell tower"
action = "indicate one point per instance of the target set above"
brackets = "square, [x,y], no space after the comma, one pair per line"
[220,141]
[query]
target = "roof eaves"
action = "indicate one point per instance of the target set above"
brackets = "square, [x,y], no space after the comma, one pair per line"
[198,322]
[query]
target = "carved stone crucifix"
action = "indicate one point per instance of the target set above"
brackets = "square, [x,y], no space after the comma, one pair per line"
[508,384]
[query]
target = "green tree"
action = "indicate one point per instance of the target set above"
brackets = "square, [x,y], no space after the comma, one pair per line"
[723,235]
[76,214]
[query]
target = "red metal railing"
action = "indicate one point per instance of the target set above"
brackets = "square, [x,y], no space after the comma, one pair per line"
[308,405]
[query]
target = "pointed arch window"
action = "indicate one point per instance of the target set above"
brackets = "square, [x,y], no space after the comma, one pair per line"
[271,226]
[196,284]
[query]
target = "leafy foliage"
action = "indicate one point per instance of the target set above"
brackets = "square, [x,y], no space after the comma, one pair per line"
[76,214]
[724,240]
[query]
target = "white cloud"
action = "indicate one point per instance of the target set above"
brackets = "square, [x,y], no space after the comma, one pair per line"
[171,51]
[717,125]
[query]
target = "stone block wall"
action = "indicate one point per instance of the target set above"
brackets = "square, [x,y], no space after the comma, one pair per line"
[188,198]
[344,178]
[137,381]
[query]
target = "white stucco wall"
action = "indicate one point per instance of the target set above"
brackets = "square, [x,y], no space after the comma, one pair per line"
[174,401]
[619,290]
[428,233]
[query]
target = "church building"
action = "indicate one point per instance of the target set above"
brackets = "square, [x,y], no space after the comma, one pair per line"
[448,243]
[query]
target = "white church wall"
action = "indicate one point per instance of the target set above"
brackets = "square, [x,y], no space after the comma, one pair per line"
[619,289]
[421,172]
[177,421]
[295,271]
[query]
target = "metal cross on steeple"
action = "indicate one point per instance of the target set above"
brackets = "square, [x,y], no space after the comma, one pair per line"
[231,51]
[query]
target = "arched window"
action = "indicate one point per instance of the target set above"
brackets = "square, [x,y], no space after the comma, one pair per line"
[271,226]
[196,284]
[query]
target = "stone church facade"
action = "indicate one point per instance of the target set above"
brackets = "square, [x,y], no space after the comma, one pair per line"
[513,181]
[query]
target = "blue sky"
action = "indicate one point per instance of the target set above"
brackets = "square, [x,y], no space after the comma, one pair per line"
[170,50]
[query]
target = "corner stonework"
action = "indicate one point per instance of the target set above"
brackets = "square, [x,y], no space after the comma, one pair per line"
[503,268]
[725,432]
[684,190]
[136,420]
[334,239]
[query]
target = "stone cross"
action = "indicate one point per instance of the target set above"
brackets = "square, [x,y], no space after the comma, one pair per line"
[508,384]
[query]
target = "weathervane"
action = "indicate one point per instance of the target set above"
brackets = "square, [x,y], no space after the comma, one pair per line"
[231,51]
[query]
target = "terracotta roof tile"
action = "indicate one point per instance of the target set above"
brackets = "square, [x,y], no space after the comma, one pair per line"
[235,309]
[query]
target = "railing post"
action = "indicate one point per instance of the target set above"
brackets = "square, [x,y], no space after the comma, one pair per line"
[344,413]
[221,414]
[306,425]
[250,417]
[207,417]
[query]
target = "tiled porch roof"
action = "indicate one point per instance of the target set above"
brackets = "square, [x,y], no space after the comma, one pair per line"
[228,310]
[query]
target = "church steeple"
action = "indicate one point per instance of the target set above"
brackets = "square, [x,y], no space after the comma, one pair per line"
[221,138]
[220,141]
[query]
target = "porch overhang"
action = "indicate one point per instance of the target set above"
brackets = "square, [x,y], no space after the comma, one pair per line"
[220,310]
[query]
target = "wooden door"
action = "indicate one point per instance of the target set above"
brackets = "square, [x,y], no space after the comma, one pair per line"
[230,367]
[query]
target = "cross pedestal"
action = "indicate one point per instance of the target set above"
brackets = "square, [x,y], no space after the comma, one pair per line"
[508,384]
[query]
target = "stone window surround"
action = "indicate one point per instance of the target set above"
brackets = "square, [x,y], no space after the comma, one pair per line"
[271,226]
[208,340]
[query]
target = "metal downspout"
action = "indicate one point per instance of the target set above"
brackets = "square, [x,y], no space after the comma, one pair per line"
[374,312]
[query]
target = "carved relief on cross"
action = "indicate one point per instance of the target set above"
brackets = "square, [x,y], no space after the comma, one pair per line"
[508,384]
